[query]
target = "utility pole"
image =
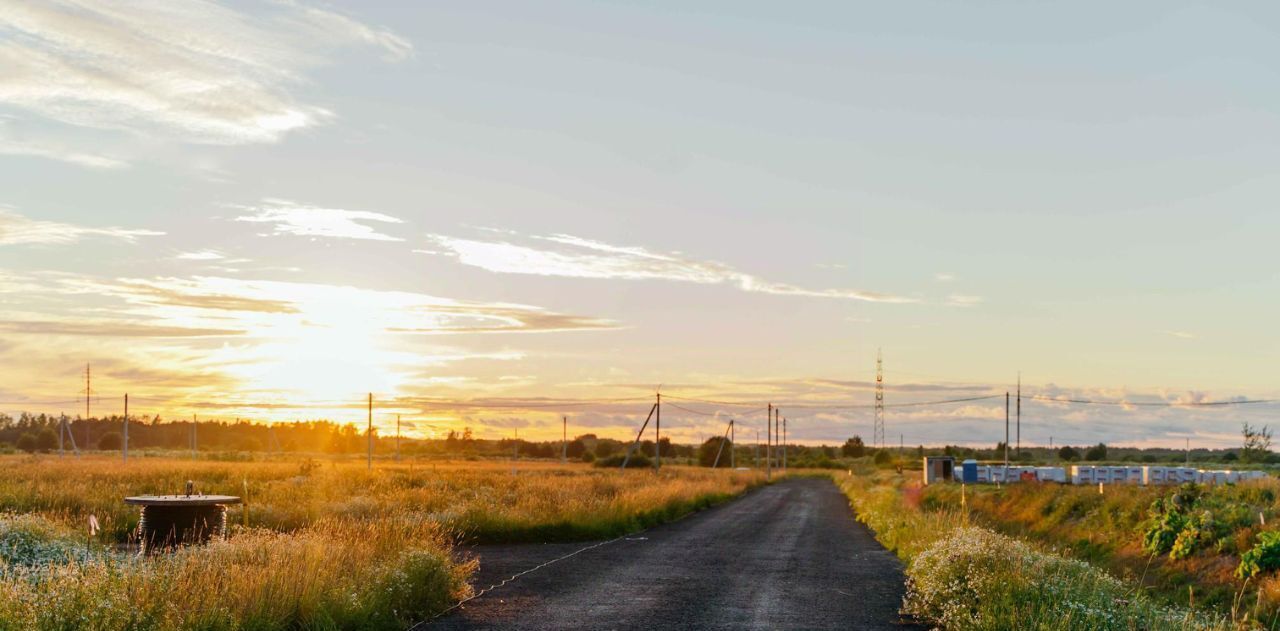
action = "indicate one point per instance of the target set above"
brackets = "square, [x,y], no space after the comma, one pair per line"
[369,432]
[657,435]
[1188,452]
[878,431]
[785,445]
[124,449]
[1006,432]
[564,440]
[768,442]
[87,392]
[733,446]
[195,420]
[1019,415]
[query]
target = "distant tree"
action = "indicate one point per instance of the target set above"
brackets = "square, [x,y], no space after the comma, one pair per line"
[605,448]
[588,456]
[576,448]
[110,441]
[854,448]
[27,442]
[1257,444]
[1230,456]
[1068,453]
[883,457]
[451,441]
[47,439]
[1096,453]
[708,450]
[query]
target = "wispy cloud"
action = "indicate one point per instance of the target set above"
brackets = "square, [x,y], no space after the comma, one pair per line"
[962,300]
[16,229]
[1185,335]
[313,221]
[54,150]
[188,69]
[201,255]
[944,277]
[576,257]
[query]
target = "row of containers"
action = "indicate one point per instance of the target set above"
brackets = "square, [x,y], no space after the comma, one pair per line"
[940,469]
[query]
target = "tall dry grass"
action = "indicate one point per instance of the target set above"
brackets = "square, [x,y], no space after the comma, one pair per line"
[330,545]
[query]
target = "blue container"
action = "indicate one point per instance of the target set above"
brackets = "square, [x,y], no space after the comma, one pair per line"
[969,472]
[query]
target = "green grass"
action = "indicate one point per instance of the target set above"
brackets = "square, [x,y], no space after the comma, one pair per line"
[964,577]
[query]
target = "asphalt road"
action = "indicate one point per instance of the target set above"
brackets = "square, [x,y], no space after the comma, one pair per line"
[787,556]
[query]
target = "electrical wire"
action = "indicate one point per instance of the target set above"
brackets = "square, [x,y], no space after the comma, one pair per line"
[1158,404]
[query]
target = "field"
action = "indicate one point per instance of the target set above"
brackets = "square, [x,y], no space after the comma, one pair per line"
[965,574]
[328,544]
[1201,556]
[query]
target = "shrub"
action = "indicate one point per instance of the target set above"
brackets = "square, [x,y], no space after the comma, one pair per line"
[1263,557]
[110,441]
[27,442]
[637,461]
[883,457]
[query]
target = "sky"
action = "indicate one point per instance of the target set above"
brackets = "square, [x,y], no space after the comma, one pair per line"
[496,214]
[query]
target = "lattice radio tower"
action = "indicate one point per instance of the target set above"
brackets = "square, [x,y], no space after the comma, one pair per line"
[878,438]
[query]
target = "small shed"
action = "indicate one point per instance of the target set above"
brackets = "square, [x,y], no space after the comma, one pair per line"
[939,469]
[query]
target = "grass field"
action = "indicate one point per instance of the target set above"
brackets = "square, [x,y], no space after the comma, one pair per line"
[962,575]
[1188,555]
[329,544]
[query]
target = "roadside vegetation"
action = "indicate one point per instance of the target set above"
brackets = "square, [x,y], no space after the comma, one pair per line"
[963,574]
[328,544]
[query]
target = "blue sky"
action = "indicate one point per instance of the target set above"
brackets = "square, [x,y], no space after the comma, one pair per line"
[263,209]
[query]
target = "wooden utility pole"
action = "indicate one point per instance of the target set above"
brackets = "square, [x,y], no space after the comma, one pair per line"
[369,432]
[784,443]
[768,442]
[87,392]
[124,448]
[657,435]
[733,445]
[1019,415]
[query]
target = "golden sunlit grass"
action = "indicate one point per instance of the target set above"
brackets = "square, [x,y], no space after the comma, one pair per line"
[330,544]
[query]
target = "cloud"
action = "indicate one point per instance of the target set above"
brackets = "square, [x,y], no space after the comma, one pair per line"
[108,329]
[961,300]
[1182,335]
[312,221]
[944,277]
[192,70]
[575,257]
[16,229]
[53,151]
[201,255]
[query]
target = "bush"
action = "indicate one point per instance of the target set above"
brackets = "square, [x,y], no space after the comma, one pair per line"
[47,439]
[883,457]
[977,579]
[1096,453]
[27,442]
[717,446]
[1263,557]
[110,441]
[637,461]
[588,456]
[1068,453]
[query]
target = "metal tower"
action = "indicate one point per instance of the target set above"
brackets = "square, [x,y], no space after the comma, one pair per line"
[878,438]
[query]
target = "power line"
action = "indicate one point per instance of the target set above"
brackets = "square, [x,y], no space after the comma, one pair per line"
[1157,404]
